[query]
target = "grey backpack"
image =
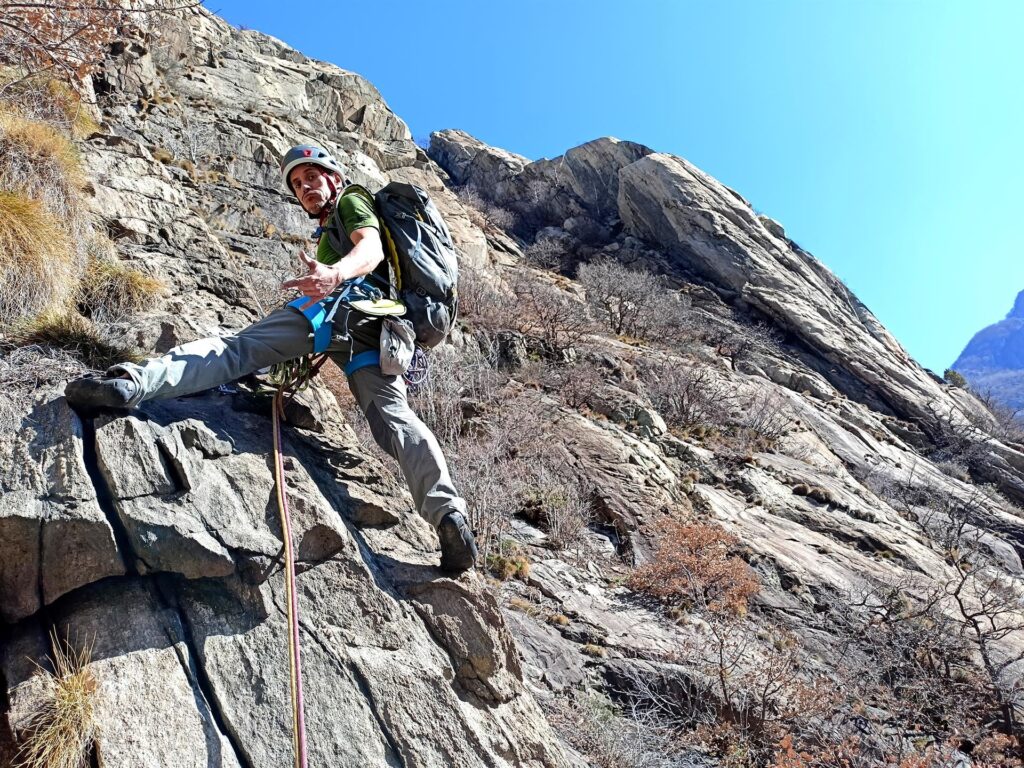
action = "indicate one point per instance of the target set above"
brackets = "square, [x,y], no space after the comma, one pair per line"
[421,253]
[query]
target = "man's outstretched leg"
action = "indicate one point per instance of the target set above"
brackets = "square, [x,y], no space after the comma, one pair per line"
[197,365]
[400,432]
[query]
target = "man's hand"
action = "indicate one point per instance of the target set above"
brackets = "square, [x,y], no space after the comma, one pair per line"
[318,284]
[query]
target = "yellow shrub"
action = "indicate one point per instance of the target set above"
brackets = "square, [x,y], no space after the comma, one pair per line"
[43,141]
[35,272]
[110,290]
[66,329]
[62,726]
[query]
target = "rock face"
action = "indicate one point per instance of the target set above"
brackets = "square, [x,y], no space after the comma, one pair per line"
[993,359]
[154,535]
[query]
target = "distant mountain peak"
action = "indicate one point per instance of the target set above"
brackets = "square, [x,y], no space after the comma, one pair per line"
[1018,307]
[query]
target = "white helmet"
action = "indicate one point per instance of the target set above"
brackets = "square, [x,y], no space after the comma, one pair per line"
[306,153]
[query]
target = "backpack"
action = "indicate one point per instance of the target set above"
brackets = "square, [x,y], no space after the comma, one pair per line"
[422,256]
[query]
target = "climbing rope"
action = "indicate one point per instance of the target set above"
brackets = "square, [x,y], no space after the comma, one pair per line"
[291,377]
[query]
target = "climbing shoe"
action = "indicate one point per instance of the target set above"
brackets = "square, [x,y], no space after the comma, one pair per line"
[458,547]
[93,393]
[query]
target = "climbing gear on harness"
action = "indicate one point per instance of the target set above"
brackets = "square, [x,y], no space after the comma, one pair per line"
[419,371]
[296,375]
[294,648]
[354,294]
[420,252]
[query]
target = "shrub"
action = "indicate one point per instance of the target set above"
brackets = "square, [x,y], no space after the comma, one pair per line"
[61,727]
[508,563]
[578,384]
[693,567]
[687,397]
[482,302]
[768,415]
[954,379]
[64,39]
[546,253]
[560,506]
[740,342]
[482,212]
[558,321]
[630,302]
[614,737]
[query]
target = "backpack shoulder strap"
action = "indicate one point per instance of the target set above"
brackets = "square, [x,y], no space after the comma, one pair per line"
[335,228]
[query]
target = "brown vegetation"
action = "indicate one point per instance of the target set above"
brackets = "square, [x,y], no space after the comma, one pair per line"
[67,40]
[694,567]
[65,329]
[483,213]
[547,313]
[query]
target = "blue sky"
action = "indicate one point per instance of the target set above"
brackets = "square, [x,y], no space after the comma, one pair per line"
[885,135]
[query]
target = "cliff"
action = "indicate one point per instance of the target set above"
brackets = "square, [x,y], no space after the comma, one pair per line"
[770,406]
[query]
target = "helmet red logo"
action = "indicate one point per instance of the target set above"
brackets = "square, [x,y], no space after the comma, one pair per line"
[307,152]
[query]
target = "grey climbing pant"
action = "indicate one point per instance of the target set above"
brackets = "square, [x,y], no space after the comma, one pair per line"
[284,335]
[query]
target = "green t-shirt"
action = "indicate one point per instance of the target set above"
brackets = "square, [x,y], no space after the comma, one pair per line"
[355,211]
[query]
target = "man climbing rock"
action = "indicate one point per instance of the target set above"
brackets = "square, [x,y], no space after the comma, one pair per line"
[316,180]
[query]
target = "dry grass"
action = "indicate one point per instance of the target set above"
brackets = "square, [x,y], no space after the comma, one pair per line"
[44,98]
[62,727]
[110,291]
[65,329]
[35,272]
[38,143]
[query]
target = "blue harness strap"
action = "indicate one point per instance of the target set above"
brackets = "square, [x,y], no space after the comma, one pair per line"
[316,315]
[362,360]
[321,316]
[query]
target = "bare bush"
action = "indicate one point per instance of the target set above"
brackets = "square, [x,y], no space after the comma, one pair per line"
[614,737]
[456,375]
[748,698]
[630,302]
[687,397]
[67,39]
[577,384]
[740,341]
[558,321]
[482,212]
[546,252]
[1009,424]
[768,415]
[482,301]
[559,504]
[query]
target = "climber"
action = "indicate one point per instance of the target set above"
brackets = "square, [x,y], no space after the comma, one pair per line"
[316,180]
